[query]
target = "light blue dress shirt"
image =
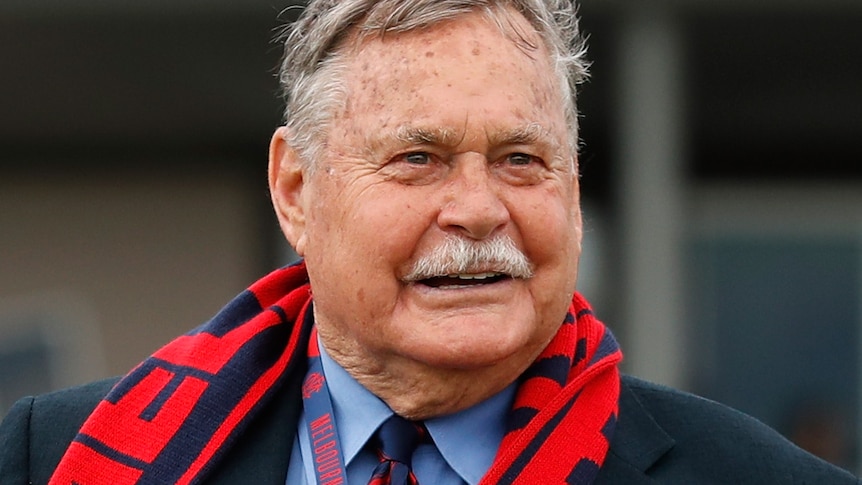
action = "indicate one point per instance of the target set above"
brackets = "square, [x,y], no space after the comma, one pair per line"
[464,446]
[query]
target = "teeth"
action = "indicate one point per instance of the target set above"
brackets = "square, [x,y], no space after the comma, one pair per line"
[477,276]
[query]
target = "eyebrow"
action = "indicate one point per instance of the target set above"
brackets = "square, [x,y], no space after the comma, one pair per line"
[424,136]
[523,135]
[528,134]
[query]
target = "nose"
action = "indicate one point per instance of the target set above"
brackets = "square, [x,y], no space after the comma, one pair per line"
[473,206]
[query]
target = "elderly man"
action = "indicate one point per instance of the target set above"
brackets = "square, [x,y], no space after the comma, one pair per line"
[427,174]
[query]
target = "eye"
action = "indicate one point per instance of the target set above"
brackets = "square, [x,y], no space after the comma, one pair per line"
[520,159]
[520,169]
[414,167]
[417,158]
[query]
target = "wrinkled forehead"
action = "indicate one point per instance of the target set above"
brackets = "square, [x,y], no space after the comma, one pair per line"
[500,40]
[468,56]
[511,24]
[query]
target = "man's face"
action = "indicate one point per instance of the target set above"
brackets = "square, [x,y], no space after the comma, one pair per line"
[450,132]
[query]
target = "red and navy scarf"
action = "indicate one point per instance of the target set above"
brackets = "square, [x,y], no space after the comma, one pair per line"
[173,417]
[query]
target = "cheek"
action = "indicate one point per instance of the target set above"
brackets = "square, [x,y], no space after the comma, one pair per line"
[547,225]
[394,230]
[377,226]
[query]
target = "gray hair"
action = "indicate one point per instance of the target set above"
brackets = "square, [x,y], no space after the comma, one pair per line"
[311,70]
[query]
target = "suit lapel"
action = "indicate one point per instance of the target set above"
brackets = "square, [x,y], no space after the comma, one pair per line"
[638,443]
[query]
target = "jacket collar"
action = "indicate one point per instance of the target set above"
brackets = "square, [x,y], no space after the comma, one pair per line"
[638,443]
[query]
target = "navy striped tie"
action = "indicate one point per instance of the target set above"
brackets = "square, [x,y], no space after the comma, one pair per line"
[396,440]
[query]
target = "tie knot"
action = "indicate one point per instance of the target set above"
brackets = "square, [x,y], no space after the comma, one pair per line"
[398,438]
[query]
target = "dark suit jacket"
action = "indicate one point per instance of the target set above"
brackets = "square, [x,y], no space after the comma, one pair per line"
[663,437]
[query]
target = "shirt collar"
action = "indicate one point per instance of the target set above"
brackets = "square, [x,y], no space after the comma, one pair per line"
[358,412]
[468,440]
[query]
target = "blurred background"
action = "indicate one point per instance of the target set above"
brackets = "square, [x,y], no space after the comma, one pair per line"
[722,182]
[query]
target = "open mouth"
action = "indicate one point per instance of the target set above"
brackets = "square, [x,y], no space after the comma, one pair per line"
[463,280]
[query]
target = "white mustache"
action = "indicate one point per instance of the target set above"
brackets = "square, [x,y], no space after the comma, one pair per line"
[463,256]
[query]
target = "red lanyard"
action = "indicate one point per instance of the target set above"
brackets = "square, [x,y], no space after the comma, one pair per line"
[328,459]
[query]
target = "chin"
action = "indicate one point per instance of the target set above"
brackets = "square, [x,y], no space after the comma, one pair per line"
[478,349]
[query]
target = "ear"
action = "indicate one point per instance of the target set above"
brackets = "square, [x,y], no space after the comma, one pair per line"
[286,181]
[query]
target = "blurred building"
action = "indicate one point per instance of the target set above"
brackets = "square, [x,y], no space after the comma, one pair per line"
[722,179]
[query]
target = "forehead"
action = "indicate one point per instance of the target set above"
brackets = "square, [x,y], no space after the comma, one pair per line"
[469,33]
[495,68]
